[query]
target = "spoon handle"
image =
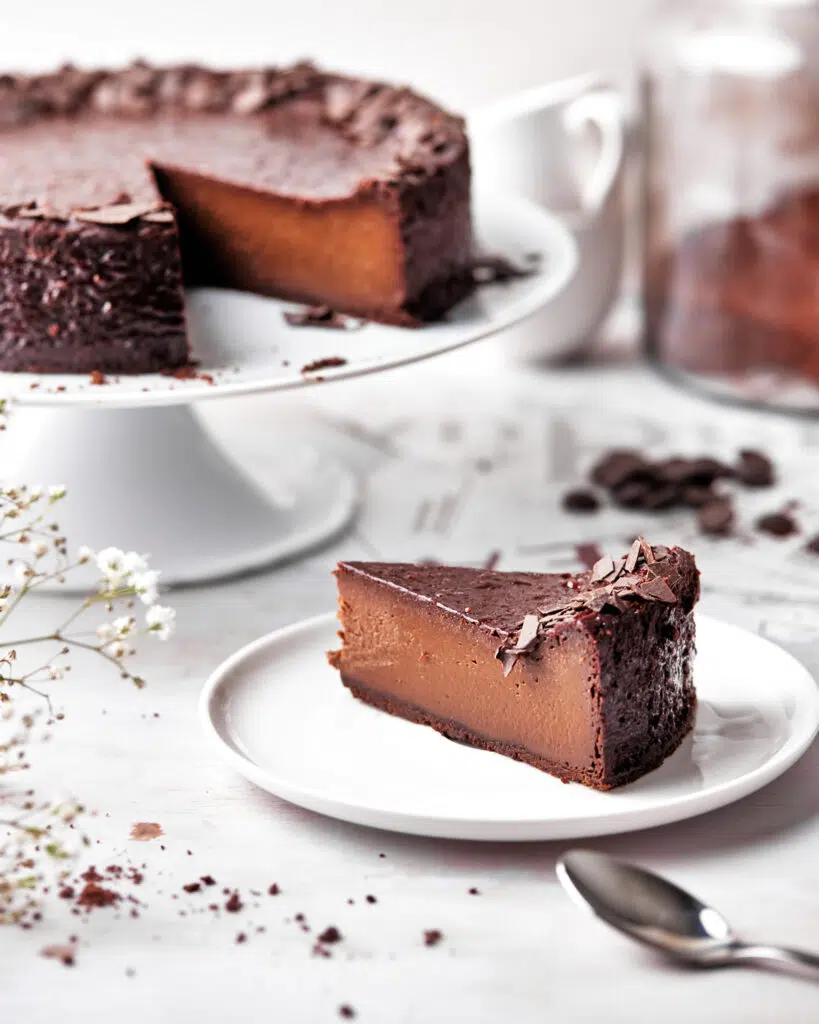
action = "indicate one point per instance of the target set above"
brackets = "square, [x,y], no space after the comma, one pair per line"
[778,957]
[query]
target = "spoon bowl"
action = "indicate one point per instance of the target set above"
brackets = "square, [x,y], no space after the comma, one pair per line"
[658,913]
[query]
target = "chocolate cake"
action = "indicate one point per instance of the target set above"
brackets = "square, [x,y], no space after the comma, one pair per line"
[119,187]
[587,677]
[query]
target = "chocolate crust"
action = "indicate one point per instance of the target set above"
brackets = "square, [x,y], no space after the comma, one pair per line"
[79,296]
[652,757]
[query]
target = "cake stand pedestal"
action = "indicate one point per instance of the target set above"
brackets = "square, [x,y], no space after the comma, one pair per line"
[143,474]
[154,481]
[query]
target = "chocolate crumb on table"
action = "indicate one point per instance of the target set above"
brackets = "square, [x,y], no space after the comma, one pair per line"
[346,1011]
[432,936]
[370,899]
[66,954]
[234,904]
[330,935]
[812,545]
[274,890]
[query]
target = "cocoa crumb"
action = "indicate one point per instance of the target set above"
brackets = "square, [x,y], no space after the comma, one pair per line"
[432,937]
[98,378]
[241,937]
[346,1011]
[142,831]
[192,887]
[94,895]
[234,904]
[371,899]
[65,954]
[474,892]
[274,890]
[207,880]
[330,935]
[323,364]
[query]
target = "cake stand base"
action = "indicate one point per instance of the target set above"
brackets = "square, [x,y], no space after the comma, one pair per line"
[153,481]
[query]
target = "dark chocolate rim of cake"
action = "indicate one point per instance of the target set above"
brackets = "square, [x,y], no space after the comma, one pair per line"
[427,138]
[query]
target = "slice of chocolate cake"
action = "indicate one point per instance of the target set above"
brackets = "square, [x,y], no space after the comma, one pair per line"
[588,676]
[116,187]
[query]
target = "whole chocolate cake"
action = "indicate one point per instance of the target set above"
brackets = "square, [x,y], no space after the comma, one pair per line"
[119,187]
[588,676]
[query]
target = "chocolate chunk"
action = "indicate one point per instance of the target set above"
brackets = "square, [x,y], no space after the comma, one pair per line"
[632,494]
[659,498]
[755,469]
[581,500]
[777,524]
[716,518]
[619,467]
[696,495]
[703,471]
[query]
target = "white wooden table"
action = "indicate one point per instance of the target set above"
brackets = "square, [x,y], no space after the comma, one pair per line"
[456,460]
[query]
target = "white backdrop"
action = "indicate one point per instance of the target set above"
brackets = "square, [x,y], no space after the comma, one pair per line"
[463,51]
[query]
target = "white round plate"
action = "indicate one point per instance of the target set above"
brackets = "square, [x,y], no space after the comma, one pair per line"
[245,345]
[280,716]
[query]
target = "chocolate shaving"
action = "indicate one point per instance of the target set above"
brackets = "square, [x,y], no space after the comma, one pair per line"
[602,569]
[647,551]
[323,364]
[116,213]
[528,632]
[657,589]
[633,556]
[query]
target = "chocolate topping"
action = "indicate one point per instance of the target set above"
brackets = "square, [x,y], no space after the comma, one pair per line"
[405,135]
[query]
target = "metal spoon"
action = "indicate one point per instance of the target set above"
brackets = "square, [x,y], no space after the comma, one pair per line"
[653,911]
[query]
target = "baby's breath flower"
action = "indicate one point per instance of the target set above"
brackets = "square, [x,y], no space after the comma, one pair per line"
[106,632]
[23,573]
[118,650]
[111,563]
[56,492]
[146,585]
[134,562]
[124,626]
[39,548]
[160,620]
[56,672]
[85,555]
[36,492]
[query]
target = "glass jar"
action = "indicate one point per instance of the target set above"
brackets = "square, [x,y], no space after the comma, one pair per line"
[731,193]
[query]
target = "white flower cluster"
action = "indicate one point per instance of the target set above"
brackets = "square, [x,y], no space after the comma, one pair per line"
[123,572]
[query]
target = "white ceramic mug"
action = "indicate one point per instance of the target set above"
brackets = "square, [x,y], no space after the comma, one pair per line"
[537,144]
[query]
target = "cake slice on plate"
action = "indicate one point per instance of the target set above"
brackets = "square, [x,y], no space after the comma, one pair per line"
[587,676]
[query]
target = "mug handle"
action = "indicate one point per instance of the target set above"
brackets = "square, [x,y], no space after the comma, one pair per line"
[602,108]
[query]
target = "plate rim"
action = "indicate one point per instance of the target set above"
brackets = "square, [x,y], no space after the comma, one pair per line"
[615,821]
[558,271]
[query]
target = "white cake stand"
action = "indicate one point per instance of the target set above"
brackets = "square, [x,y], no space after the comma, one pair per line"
[143,474]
